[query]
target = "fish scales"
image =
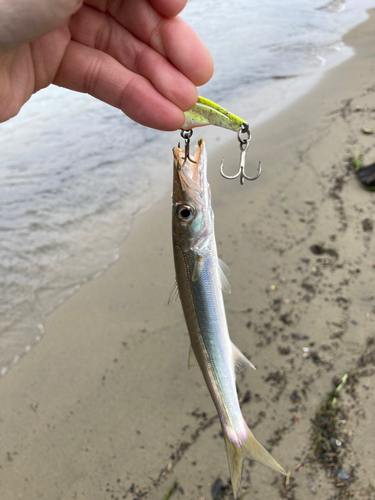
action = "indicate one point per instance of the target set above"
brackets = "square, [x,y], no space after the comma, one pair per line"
[205,314]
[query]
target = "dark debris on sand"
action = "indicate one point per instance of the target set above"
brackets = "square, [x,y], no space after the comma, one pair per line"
[331,441]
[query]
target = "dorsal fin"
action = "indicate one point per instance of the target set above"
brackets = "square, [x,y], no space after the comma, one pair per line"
[224,267]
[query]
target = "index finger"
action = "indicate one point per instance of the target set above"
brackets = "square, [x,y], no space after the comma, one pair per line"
[168,8]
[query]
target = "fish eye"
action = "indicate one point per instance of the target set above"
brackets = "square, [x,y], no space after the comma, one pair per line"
[185,213]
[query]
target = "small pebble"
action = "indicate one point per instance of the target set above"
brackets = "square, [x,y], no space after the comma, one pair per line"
[299,336]
[342,475]
[216,488]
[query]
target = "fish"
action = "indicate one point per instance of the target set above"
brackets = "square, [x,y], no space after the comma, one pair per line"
[201,277]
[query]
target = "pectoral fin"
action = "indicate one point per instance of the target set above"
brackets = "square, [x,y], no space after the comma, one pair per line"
[197,268]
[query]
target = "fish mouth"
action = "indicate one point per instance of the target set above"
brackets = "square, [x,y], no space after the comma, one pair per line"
[189,167]
[190,172]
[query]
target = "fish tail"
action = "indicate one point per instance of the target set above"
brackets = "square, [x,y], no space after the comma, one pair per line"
[252,449]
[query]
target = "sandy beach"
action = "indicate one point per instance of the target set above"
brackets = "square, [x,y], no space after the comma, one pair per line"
[105,406]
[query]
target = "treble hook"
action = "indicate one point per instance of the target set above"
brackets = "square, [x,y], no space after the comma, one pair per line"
[186,134]
[244,145]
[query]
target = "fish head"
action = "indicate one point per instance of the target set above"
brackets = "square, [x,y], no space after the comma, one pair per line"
[192,216]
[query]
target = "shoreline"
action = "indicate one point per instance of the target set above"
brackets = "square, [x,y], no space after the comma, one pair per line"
[106,400]
[22,337]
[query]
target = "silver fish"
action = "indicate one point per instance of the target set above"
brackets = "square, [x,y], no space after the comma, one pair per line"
[200,280]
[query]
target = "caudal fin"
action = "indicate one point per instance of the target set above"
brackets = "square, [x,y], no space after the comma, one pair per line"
[252,449]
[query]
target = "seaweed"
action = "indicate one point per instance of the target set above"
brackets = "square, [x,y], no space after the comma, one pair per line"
[171,490]
[325,439]
[365,173]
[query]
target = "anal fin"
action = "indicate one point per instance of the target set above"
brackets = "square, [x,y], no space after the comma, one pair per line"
[240,361]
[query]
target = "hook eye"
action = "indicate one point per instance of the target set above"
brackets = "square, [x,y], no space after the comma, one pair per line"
[186,134]
[244,130]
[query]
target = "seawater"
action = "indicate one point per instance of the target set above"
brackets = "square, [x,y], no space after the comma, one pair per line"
[74,172]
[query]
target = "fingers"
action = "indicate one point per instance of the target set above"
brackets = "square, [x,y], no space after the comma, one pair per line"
[16,86]
[88,70]
[165,51]
[168,8]
[46,54]
[187,52]
[100,31]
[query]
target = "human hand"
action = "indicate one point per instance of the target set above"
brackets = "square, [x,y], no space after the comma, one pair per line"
[136,55]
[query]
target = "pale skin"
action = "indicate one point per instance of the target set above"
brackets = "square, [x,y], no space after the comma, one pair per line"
[136,55]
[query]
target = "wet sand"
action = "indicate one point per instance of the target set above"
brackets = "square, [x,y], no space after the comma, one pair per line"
[105,406]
